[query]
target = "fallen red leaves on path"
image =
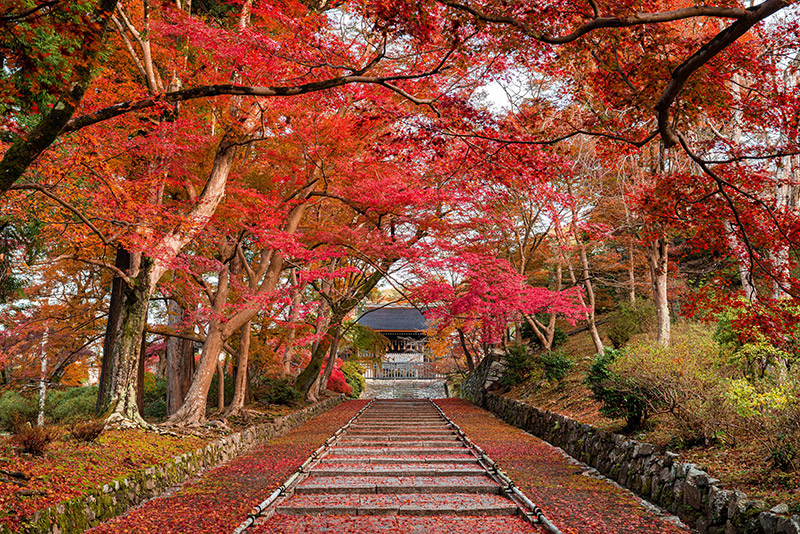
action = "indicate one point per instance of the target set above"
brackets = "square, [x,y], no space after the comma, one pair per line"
[220,500]
[576,504]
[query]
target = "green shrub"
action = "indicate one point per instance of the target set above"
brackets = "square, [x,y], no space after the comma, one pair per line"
[555,364]
[16,409]
[71,404]
[354,375]
[519,365]
[770,414]
[277,391]
[618,397]
[155,396]
[628,320]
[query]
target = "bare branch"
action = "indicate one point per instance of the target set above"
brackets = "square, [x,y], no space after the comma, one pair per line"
[116,270]
[46,192]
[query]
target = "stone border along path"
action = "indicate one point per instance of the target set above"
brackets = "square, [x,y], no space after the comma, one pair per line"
[404,459]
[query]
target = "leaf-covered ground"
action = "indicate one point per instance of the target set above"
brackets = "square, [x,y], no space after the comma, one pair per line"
[70,468]
[576,504]
[220,500]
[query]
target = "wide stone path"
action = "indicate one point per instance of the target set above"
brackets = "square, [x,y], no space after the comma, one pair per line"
[402,461]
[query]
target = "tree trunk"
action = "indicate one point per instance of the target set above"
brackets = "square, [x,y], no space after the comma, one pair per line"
[127,348]
[467,353]
[194,405]
[288,353]
[306,379]
[220,386]
[240,379]
[179,360]
[631,277]
[658,261]
[332,355]
[587,283]
[122,262]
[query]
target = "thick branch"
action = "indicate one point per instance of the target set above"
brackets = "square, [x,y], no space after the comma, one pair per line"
[598,22]
[208,91]
[716,45]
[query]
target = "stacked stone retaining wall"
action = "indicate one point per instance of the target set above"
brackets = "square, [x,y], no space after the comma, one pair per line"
[680,488]
[116,497]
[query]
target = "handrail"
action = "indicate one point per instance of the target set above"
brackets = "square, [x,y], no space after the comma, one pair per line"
[402,371]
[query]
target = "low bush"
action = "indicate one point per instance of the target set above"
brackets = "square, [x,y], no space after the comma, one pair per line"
[354,375]
[770,414]
[519,364]
[627,320]
[619,398]
[277,391]
[337,381]
[32,439]
[87,431]
[71,404]
[555,364]
[16,409]
[155,396]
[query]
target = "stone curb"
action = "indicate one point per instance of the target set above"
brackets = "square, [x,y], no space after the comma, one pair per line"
[115,498]
[680,488]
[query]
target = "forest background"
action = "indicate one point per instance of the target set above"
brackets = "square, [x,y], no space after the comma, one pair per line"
[242,175]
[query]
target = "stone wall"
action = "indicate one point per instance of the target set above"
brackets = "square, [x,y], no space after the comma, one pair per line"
[118,496]
[484,378]
[680,488]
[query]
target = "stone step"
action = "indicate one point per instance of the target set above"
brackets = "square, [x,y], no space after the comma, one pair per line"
[388,484]
[399,440]
[457,504]
[395,451]
[399,470]
[401,430]
[450,459]
[395,435]
[428,443]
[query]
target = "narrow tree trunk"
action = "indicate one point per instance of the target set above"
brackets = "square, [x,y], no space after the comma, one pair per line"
[467,353]
[240,379]
[658,260]
[122,262]
[332,355]
[288,353]
[140,374]
[179,360]
[587,283]
[745,267]
[43,378]
[631,277]
[220,386]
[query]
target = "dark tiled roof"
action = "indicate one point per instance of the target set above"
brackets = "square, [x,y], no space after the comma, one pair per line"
[393,319]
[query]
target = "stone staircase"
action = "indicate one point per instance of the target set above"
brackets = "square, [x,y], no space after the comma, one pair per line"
[401,458]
